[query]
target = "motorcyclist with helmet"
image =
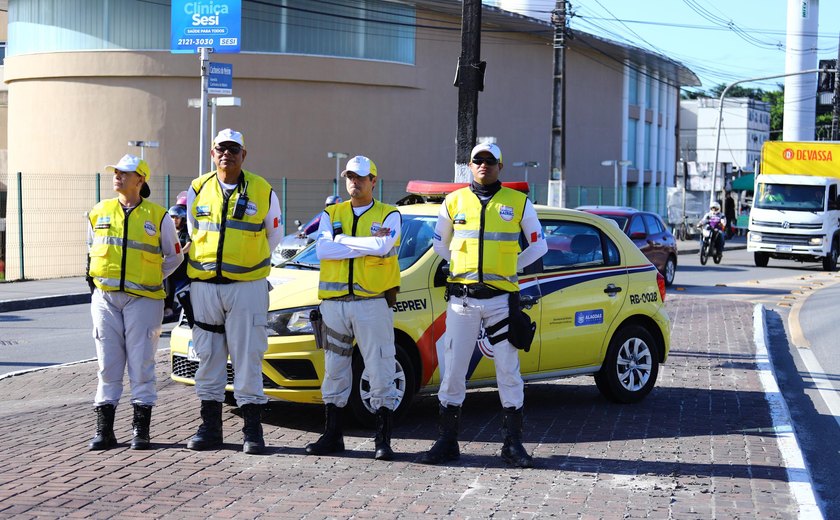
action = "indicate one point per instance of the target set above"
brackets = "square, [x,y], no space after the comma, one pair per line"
[178,279]
[715,220]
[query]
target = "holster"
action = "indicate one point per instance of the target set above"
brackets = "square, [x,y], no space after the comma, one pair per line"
[521,329]
[319,328]
[184,299]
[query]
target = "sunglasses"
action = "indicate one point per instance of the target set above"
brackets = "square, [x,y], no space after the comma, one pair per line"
[234,149]
[489,161]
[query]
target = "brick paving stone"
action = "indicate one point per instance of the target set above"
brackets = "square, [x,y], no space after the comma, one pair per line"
[692,449]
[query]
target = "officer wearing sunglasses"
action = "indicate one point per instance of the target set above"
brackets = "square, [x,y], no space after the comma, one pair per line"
[477,231]
[234,224]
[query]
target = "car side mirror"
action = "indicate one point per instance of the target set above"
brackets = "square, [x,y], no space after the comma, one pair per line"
[638,235]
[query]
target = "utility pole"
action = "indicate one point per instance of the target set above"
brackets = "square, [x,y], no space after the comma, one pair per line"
[557,182]
[469,79]
[835,113]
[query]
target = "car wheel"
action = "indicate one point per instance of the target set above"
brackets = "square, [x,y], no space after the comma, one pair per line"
[405,379]
[830,261]
[761,259]
[670,270]
[631,366]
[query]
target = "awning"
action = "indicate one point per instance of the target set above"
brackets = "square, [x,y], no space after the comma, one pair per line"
[744,183]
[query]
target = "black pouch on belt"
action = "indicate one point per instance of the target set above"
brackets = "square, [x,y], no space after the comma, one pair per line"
[521,329]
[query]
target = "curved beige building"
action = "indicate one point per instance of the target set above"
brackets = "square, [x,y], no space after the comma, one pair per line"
[377,83]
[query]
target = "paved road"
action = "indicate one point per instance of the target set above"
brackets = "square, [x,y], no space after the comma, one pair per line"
[699,447]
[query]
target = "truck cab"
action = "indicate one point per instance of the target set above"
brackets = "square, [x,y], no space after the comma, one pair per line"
[796,211]
[795,217]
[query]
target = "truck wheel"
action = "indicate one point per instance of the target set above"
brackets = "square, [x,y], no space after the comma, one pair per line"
[830,261]
[761,259]
[405,379]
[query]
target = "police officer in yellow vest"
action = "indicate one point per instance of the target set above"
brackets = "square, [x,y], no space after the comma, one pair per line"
[357,245]
[478,231]
[234,222]
[132,247]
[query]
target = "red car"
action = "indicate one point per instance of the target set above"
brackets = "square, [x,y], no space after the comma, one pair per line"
[649,234]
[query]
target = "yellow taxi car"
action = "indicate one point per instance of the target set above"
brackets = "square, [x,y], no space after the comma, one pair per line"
[597,301]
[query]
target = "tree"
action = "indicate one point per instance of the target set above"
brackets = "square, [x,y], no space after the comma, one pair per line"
[776,99]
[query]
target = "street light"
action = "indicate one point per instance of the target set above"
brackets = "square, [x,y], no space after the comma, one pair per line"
[213,102]
[615,164]
[143,145]
[338,156]
[526,165]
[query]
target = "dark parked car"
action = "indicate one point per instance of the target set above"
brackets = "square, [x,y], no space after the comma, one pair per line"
[649,234]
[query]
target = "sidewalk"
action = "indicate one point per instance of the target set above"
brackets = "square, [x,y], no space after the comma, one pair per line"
[702,445]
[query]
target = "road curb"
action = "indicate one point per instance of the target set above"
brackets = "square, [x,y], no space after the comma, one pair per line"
[43,302]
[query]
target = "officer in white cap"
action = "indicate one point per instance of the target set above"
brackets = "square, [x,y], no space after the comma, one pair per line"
[357,244]
[234,223]
[133,247]
[478,231]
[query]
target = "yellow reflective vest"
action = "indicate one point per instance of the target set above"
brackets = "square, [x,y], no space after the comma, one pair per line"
[224,248]
[366,276]
[485,241]
[126,254]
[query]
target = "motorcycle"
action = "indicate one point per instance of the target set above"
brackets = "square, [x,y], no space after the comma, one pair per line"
[709,248]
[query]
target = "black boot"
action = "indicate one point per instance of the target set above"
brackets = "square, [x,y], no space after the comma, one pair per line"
[104,439]
[252,431]
[445,448]
[332,441]
[512,450]
[209,434]
[382,441]
[141,422]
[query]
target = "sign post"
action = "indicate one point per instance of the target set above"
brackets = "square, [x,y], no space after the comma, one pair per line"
[201,27]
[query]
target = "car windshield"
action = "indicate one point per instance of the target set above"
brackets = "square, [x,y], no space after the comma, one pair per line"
[791,197]
[417,234]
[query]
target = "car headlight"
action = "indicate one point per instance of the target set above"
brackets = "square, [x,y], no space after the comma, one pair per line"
[755,237]
[290,322]
[816,241]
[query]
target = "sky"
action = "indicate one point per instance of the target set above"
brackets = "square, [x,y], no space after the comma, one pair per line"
[721,41]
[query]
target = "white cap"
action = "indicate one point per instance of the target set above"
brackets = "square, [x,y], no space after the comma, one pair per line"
[360,165]
[131,163]
[228,135]
[487,147]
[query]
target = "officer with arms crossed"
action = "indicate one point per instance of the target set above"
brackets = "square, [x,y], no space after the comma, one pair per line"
[478,231]
[132,247]
[357,244]
[234,223]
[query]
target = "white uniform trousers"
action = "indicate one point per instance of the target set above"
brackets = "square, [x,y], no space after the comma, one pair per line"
[242,307]
[371,322]
[126,330]
[464,318]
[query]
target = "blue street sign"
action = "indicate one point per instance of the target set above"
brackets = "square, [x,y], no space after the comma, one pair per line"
[220,79]
[216,24]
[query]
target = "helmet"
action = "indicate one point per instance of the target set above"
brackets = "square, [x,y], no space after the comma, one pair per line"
[332,199]
[181,200]
[178,211]
[715,205]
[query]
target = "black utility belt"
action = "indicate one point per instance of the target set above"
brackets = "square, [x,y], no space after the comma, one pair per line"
[473,290]
[355,298]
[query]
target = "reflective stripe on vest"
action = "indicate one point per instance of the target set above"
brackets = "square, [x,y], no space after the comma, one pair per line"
[133,241]
[366,276]
[233,249]
[485,240]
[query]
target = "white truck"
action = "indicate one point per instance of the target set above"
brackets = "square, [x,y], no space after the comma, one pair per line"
[796,210]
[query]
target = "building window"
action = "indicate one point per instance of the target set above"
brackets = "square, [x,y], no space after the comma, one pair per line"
[363,29]
[631,142]
[633,92]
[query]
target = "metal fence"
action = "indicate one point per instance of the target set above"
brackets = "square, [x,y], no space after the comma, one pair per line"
[46,229]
